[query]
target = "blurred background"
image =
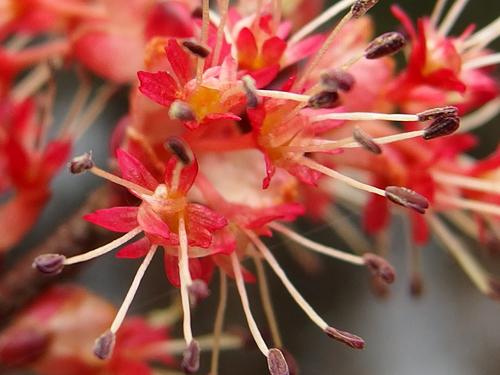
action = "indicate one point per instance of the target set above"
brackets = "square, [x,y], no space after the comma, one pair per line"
[450,329]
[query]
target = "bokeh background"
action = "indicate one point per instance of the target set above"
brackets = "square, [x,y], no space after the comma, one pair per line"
[450,329]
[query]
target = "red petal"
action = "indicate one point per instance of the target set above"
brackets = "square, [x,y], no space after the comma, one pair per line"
[151,223]
[56,153]
[264,76]
[159,87]
[224,262]
[272,50]
[247,48]
[199,268]
[169,18]
[116,219]
[187,175]
[136,249]
[205,217]
[179,60]
[133,170]
[376,214]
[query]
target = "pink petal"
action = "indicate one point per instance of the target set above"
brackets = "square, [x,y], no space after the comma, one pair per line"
[116,219]
[133,170]
[159,87]
[151,223]
[303,49]
[205,217]
[187,175]
[179,60]
[136,249]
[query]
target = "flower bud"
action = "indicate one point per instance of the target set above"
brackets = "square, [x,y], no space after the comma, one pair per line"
[49,263]
[323,99]
[104,345]
[250,91]
[360,7]
[180,110]
[82,163]
[191,358]
[179,149]
[366,141]
[196,49]
[347,338]
[276,362]
[380,267]
[385,45]
[441,127]
[407,198]
[435,113]
[335,80]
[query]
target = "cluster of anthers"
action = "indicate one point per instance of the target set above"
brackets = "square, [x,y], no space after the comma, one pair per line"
[236,125]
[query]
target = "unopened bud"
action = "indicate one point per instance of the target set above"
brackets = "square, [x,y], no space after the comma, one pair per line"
[82,163]
[196,49]
[250,91]
[179,149]
[104,345]
[385,45]
[49,263]
[407,198]
[380,267]
[347,338]
[360,7]
[198,290]
[277,363]
[21,347]
[323,99]
[441,127]
[337,80]
[180,110]
[435,113]
[366,141]
[191,358]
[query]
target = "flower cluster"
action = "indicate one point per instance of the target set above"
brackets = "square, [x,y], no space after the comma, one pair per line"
[243,118]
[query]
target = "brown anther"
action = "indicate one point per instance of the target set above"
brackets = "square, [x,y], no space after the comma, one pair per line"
[380,267]
[180,110]
[360,7]
[323,99]
[366,140]
[21,347]
[441,127]
[335,80]
[250,91]
[49,263]
[198,290]
[385,45]
[196,49]
[104,345]
[407,198]
[347,338]
[435,113]
[276,362]
[82,163]
[179,148]
[191,358]
[416,285]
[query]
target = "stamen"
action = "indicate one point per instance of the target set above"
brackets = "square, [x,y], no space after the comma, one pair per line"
[81,163]
[452,16]
[49,263]
[251,91]
[324,17]
[317,247]
[344,337]
[483,61]
[180,110]
[366,141]
[480,117]
[104,345]
[31,83]
[252,325]
[361,7]
[198,290]
[483,37]
[469,264]
[186,281]
[346,230]
[469,204]
[204,38]
[196,49]
[179,148]
[380,267]
[337,79]
[219,324]
[266,301]
[435,113]
[472,183]
[407,198]
[103,249]
[385,45]
[339,176]
[276,363]
[323,99]
[76,105]
[191,358]
[223,10]
[437,11]
[364,116]
[120,316]
[120,181]
[283,95]
[441,127]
